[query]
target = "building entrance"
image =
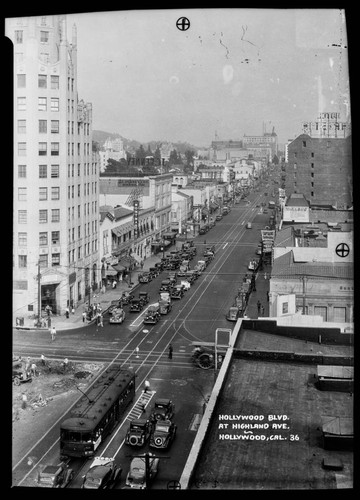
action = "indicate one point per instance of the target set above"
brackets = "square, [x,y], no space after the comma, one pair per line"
[48,297]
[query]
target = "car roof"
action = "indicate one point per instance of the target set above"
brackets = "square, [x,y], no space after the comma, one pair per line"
[162,401]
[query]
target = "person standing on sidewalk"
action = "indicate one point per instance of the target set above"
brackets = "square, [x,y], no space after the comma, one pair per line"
[170,351]
[84,316]
[146,385]
[67,313]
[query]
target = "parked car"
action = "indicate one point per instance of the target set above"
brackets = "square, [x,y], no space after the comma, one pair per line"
[233,313]
[154,271]
[144,297]
[19,374]
[136,305]
[139,432]
[114,304]
[202,230]
[55,476]
[162,434]
[145,277]
[185,284]
[103,474]
[218,217]
[118,316]
[163,409]
[202,264]
[177,292]
[172,276]
[191,277]
[249,225]
[159,266]
[126,297]
[136,477]
[152,314]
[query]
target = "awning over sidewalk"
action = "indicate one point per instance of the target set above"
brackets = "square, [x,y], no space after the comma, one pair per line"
[110,272]
[119,267]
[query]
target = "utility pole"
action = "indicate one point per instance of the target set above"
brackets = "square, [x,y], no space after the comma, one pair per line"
[304,301]
[39,295]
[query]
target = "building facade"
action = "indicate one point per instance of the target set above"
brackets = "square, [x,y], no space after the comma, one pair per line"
[112,149]
[320,169]
[56,187]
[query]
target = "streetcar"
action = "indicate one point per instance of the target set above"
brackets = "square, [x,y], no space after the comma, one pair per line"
[97,413]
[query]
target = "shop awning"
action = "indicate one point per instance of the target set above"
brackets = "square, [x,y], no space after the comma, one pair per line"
[110,272]
[169,235]
[119,267]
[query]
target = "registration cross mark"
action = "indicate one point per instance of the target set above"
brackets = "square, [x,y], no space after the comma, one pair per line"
[342,250]
[183,24]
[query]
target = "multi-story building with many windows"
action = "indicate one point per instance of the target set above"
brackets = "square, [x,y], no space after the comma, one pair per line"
[56,187]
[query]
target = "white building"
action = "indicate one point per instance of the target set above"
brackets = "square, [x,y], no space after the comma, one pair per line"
[56,187]
[113,149]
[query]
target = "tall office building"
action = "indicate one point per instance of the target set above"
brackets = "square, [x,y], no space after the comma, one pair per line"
[56,186]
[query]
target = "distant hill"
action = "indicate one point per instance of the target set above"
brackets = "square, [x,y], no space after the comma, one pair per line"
[100,137]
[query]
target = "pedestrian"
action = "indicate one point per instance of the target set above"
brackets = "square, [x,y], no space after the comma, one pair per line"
[142,264]
[84,316]
[49,322]
[253,282]
[114,284]
[65,364]
[53,333]
[265,276]
[262,310]
[146,385]
[120,277]
[67,313]
[33,369]
[170,351]
[101,320]
[27,365]
[267,296]
[24,401]
[73,310]
[43,360]
[258,306]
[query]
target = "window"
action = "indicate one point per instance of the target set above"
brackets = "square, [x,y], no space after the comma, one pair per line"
[54,82]
[55,215]
[22,239]
[22,194]
[321,311]
[42,81]
[312,174]
[54,104]
[339,314]
[18,36]
[21,81]
[21,103]
[55,193]
[21,126]
[285,308]
[79,187]
[54,126]
[44,36]
[312,193]
[42,126]
[312,155]
[55,237]
[312,184]
[55,259]
[43,260]
[22,260]
[22,216]
[42,171]
[21,148]
[304,144]
[44,57]
[43,239]
[42,148]
[22,171]
[43,216]
[42,104]
[42,193]
[55,170]
[312,165]
[55,148]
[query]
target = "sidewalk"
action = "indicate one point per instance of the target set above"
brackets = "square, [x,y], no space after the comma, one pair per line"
[262,287]
[104,299]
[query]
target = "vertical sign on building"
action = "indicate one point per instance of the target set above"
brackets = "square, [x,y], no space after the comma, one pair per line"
[136,218]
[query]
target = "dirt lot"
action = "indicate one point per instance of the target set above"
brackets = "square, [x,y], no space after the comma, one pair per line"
[48,394]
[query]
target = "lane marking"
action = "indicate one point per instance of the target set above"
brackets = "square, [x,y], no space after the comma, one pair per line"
[226,244]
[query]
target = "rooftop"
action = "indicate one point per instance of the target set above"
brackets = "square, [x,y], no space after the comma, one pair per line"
[285,266]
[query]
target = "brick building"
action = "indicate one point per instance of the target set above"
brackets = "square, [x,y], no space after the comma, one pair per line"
[320,169]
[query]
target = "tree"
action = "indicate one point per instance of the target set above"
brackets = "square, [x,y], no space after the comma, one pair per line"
[173,158]
[148,151]
[157,153]
[275,160]
[189,155]
[140,152]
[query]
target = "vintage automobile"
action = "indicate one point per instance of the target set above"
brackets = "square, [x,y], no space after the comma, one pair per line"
[253,264]
[191,276]
[136,305]
[202,264]
[19,374]
[249,225]
[159,266]
[233,313]
[218,217]
[172,265]
[177,292]
[126,297]
[139,432]
[185,284]
[204,356]
[114,304]
[202,230]
[197,270]
[154,271]
[117,316]
[172,276]
[163,434]
[152,314]
[144,297]
[164,306]
[166,286]
[136,477]
[163,409]
[182,270]
[208,256]
[145,277]
[55,476]
[102,474]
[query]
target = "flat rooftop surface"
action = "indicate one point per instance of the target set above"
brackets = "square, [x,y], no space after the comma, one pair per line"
[265,392]
[253,339]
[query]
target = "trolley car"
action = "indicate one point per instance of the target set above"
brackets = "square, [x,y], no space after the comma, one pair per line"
[97,413]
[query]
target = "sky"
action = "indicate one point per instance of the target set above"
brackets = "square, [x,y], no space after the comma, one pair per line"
[233,72]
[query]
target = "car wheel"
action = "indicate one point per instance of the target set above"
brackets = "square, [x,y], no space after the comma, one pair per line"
[158,441]
[133,440]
